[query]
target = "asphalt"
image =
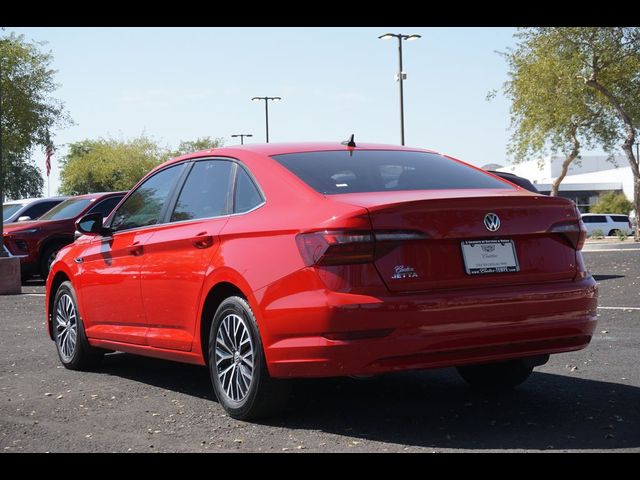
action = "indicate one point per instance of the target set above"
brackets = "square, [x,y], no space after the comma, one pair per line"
[579,401]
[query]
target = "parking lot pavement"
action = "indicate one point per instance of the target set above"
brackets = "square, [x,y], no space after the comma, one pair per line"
[580,401]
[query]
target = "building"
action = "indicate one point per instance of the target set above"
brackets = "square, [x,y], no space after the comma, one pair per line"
[587,178]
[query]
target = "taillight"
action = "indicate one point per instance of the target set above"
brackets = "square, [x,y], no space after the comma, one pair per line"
[336,247]
[344,247]
[575,232]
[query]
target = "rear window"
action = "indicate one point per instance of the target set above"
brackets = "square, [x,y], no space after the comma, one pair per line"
[620,218]
[333,172]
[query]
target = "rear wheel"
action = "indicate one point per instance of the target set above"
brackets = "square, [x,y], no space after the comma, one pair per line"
[614,232]
[68,332]
[501,375]
[237,366]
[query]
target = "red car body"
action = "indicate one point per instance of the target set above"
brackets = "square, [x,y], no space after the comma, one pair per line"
[403,301]
[32,240]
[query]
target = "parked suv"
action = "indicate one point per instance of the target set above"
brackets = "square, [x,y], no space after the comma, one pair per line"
[609,223]
[28,208]
[37,242]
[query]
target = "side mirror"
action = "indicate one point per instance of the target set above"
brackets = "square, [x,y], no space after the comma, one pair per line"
[24,218]
[92,225]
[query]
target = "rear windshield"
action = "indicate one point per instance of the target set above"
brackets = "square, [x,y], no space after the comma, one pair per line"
[332,172]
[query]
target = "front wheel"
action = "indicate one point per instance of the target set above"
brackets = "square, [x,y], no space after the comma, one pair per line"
[237,366]
[46,259]
[68,332]
[501,375]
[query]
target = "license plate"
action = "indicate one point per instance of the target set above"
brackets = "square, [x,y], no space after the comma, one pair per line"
[489,256]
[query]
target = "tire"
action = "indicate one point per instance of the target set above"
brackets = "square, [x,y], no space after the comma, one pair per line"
[237,365]
[614,232]
[46,258]
[503,375]
[74,350]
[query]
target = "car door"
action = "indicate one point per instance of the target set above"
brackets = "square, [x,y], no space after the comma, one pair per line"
[110,266]
[178,255]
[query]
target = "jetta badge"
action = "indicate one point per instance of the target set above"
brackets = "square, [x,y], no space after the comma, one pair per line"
[492,222]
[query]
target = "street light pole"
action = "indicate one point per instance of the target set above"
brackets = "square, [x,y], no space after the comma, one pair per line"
[242,135]
[266,109]
[401,75]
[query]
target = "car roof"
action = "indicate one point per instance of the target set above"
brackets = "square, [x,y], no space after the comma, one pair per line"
[269,149]
[26,201]
[98,195]
[616,214]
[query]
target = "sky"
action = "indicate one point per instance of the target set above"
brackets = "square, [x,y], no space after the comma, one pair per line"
[176,84]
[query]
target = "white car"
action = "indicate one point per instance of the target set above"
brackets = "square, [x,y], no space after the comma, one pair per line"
[28,208]
[608,223]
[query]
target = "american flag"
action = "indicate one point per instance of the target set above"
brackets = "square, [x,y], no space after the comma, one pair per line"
[49,152]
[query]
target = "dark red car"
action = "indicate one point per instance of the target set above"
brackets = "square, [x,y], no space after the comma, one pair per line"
[37,242]
[271,262]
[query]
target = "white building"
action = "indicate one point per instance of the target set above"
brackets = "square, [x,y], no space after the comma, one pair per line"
[586,179]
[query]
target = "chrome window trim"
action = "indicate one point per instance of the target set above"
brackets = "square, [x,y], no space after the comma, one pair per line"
[181,222]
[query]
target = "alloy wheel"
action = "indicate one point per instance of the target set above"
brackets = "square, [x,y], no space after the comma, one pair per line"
[66,327]
[234,357]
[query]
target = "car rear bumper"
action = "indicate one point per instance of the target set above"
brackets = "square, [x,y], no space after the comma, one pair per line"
[336,334]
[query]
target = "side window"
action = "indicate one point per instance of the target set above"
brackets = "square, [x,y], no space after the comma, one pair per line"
[105,206]
[620,218]
[39,209]
[144,206]
[206,191]
[247,195]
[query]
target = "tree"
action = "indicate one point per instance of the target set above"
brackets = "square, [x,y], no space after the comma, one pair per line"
[550,111]
[23,178]
[28,113]
[106,165]
[605,62]
[190,146]
[111,165]
[612,202]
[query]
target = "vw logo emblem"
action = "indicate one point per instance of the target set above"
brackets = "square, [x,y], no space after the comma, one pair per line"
[492,222]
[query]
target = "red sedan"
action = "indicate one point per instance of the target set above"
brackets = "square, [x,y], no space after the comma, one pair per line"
[271,262]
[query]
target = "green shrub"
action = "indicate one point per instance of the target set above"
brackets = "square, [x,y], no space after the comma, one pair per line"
[622,236]
[597,234]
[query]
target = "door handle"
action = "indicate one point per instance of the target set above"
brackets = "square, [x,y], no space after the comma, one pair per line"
[202,240]
[135,249]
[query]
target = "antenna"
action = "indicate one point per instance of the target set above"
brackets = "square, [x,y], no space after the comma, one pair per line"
[349,143]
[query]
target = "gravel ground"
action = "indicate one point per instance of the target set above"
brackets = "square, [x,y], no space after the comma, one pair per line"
[580,401]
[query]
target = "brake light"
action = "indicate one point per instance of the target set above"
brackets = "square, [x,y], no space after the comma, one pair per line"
[575,232]
[344,247]
[332,247]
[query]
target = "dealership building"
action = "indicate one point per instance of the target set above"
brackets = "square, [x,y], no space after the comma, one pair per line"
[587,177]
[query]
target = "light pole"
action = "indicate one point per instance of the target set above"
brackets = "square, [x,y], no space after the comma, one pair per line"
[266,108]
[401,74]
[242,135]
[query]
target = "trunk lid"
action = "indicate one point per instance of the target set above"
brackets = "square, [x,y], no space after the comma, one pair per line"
[447,218]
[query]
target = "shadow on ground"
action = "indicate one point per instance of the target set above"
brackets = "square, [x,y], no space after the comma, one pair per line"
[599,278]
[435,408]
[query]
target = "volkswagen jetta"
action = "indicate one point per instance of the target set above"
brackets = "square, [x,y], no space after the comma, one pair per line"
[277,261]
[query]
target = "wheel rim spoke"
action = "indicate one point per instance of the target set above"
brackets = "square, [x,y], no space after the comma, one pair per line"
[234,357]
[66,327]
